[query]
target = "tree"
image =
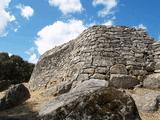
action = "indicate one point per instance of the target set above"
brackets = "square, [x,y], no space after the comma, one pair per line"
[14,69]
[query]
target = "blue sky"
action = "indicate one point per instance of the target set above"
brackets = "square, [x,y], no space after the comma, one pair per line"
[30,27]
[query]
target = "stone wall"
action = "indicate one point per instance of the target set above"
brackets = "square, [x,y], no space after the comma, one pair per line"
[92,55]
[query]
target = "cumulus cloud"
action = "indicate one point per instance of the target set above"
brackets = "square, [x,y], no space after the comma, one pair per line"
[26,11]
[58,33]
[141,26]
[33,58]
[108,23]
[67,6]
[5,17]
[109,5]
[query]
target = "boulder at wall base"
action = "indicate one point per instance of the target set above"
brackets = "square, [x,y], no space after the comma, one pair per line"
[16,95]
[147,101]
[152,81]
[123,81]
[95,103]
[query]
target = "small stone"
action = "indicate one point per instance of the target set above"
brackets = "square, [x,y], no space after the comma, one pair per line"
[138,72]
[118,69]
[101,70]
[157,66]
[83,77]
[88,70]
[150,67]
[98,76]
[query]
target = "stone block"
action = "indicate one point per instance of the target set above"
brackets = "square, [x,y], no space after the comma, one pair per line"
[118,69]
[123,81]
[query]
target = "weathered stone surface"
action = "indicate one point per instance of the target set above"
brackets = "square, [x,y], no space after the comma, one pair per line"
[60,88]
[97,53]
[118,69]
[82,77]
[146,101]
[16,95]
[123,81]
[95,102]
[152,81]
[157,67]
[99,76]
[101,70]
[138,72]
[158,100]
[150,67]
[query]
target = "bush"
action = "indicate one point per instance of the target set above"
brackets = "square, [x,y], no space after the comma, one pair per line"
[14,69]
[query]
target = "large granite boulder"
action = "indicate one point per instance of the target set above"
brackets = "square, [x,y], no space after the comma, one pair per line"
[152,81]
[16,95]
[91,100]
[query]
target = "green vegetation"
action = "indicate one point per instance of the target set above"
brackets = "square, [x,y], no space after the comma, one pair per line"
[14,69]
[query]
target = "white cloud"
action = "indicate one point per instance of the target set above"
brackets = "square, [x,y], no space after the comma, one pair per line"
[16,29]
[67,6]
[26,11]
[109,5]
[108,23]
[5,17]
[33,58]
[58,33]
[141,26]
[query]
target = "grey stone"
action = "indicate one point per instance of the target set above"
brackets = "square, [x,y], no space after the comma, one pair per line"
[158,100]
[16,95]
[123,81]
[101,70]
[157,67]
[118,69]
[61,88]
[82,77]
[146,101]
[138,72]
[88,71]
[99,76]
[152,81]
[95,102]
[150,67]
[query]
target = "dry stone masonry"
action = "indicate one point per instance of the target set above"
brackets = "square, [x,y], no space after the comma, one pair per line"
[123,56]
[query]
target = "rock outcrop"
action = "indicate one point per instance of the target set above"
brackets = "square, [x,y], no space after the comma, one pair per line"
[91,100]
[15,95]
